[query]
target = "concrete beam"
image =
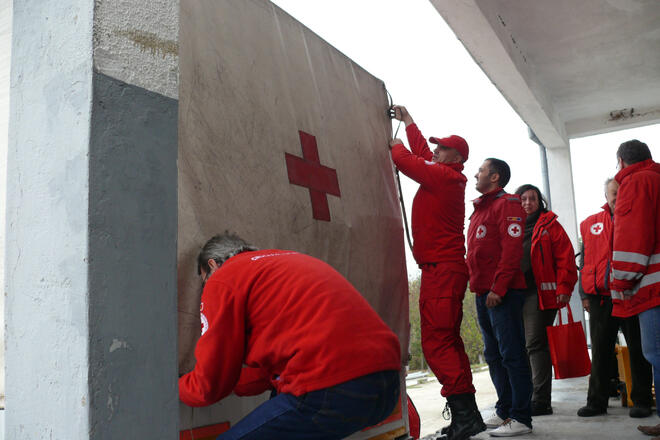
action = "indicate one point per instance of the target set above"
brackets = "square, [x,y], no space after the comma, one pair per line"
[484,33]
[619,119]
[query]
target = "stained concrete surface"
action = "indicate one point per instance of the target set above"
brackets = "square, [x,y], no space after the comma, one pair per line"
[567,397]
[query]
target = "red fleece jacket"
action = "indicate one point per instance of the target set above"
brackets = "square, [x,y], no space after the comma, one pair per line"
[291,318]
[438,210]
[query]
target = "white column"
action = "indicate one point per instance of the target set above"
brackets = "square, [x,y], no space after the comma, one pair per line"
[560,174]
[91,230]
[46,301]
[5,58]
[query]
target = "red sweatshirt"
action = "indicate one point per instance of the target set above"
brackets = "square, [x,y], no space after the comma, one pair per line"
[290,316]
[438,210]
[495,239]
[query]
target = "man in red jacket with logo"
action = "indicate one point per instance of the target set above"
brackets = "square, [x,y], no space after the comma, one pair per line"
[635,284]
[596,232]
[495,249]
[303,328]
[438,216]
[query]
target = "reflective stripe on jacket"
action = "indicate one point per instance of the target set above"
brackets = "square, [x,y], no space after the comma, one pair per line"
[635,281]
[596,232]
[553,261]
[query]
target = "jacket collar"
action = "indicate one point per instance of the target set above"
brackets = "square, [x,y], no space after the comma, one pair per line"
[630,169]
[492,195]
[545,219]
[458,167]
[606,208]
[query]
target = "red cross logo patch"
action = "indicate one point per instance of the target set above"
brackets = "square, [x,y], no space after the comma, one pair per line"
[514,230]
[481,231]
[205,323]
[596,228]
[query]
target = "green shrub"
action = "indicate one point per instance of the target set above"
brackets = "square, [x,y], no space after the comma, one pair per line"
[470,331]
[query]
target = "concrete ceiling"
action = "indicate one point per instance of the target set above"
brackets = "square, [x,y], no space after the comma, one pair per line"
[570,68]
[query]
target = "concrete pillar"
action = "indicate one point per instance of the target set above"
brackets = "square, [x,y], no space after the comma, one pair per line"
[5,57]
[560,172]
[91,224]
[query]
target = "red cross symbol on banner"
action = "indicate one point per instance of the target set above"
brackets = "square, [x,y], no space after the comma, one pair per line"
[309,173]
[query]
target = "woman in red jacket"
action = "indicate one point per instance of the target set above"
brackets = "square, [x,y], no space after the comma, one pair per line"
[548,264]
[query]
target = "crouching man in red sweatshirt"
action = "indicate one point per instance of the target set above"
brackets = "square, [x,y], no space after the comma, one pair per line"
[311,336]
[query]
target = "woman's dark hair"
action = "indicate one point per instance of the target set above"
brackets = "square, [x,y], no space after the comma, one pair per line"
[543,205]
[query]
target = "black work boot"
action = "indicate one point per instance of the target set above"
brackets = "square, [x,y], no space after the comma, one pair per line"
[445,429]
[466,419]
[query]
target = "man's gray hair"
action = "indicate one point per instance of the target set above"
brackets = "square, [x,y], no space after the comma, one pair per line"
[221,248]
[607,182]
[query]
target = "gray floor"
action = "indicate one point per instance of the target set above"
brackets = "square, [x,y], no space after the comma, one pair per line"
[568,395]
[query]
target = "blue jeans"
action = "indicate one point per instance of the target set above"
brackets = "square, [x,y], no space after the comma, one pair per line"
[649,326]
[331,413]
[504,349]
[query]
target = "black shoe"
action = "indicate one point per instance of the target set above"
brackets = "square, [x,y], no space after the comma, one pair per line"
[590,411]
[541,409]
[640,412]
[466,419]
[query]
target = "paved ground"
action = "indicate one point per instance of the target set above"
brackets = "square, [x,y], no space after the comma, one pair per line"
[568,395]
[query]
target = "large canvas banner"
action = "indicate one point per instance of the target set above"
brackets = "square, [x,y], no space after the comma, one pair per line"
[283,140]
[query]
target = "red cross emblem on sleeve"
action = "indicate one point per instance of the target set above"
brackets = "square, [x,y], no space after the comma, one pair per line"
[308,172]
[481,231]
[514,230]
[596,228]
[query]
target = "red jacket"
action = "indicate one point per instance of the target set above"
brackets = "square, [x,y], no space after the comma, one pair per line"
[553,261]
[438,210]
[495,238]
[596,232]
[635,284]
[289,317]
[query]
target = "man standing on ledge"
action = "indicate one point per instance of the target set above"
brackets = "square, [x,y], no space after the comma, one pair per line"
[300,328]
[495,249]
[438,216]
[635,284]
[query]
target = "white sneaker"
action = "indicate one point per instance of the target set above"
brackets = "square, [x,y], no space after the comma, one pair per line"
[511,428]
[493,421]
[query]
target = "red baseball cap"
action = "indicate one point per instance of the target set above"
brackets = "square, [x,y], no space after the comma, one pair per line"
[455,142]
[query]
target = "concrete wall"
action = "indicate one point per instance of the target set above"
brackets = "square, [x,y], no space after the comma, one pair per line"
[137,42]
[132,256]
[5,57]
[47,236]
[91,221]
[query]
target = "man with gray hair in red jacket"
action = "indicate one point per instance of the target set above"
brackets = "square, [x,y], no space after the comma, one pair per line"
[300,328]
[438,216]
